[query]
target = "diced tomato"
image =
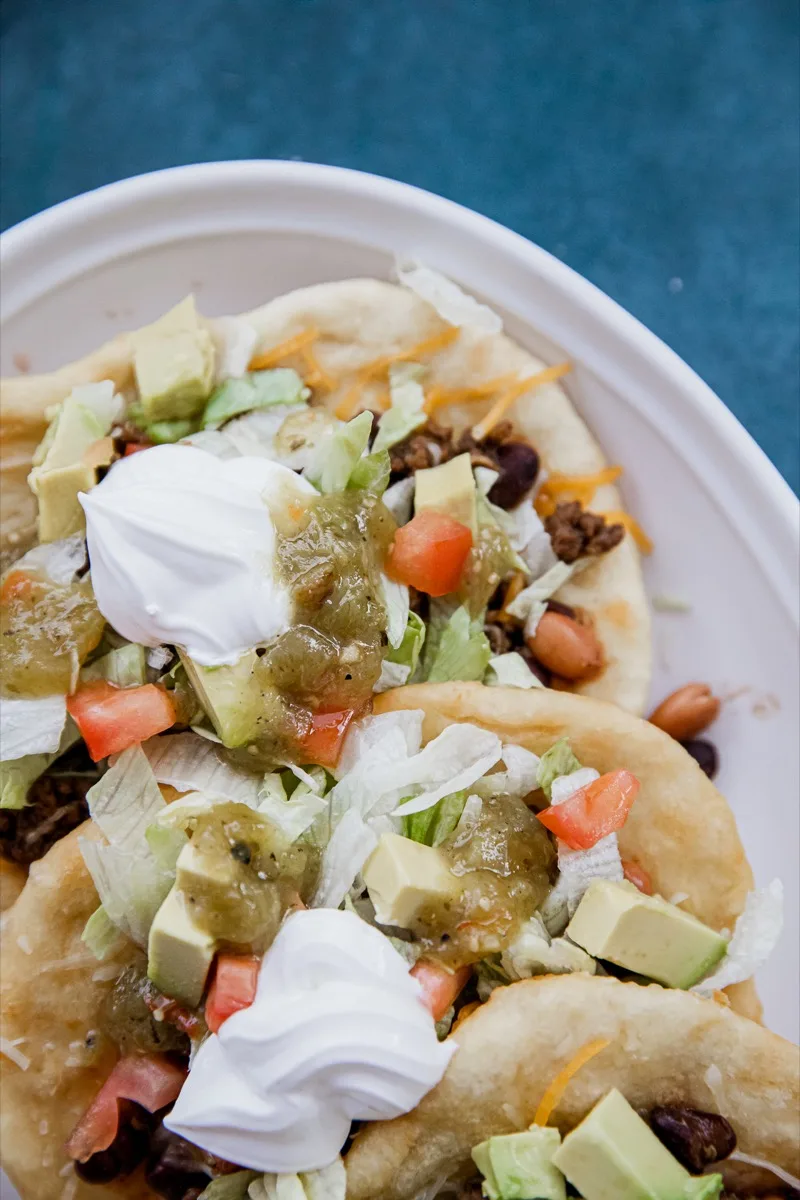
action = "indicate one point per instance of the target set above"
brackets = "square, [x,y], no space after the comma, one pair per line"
[135,447]
[637,876]
[430,553]
[439,986]
[233,989]
[321,744]
[17,586]
[593,811]
[148,1079]
[110,719]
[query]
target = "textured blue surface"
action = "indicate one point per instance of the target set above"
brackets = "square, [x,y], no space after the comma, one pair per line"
[653,147]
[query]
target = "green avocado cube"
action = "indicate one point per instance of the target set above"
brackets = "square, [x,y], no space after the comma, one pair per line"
[449,489]
[645,934]
[179,953]
[519,1166]
[173,360]
[614,1155]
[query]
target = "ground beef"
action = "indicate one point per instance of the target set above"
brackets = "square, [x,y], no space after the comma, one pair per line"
[499,638]
[575,533]
[435,443]
[56,805]
[412,454]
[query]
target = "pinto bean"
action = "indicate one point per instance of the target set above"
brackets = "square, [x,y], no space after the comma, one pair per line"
[686,712]
[565,647]
[697,1139]
[518,464]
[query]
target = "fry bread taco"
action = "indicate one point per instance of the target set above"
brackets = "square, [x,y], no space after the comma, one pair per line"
[209,988]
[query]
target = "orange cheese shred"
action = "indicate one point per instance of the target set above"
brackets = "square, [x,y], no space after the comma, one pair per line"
[438,397]
[573,487]
[504,402]
[552,1096]
[373,370]
[316,375]
[283,350]
[633,527]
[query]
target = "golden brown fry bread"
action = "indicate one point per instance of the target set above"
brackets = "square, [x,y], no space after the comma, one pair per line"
[52,991]
[680,829]
[359,321]
[662,1045]
[12,881]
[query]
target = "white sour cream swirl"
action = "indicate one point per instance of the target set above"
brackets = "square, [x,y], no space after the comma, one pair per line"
[182,550]
[337,1031]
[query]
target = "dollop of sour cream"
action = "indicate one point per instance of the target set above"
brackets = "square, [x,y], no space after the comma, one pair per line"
[182,550]
[337,1031]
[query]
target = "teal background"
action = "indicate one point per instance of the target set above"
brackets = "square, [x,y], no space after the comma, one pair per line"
[652,146]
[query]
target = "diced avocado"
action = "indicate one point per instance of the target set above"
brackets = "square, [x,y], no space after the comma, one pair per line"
[173,360]
[66,460]
[448,489]
[614,1155]
[519,1166]
[179,955]
[645,934]
[205,873]
[231,696]
[704,1187]
[403,877]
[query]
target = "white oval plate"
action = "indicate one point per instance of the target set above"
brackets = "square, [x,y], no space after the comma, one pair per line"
[724,523]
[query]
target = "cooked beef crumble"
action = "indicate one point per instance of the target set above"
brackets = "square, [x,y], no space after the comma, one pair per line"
[575,533]
[56,805]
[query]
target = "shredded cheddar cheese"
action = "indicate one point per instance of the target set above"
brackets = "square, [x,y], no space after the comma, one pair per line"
[286,349]
[316,375]
[347,406]
[572,487]
[633,527]
[438,397]
[504,402]
[515,586]
[552,1096]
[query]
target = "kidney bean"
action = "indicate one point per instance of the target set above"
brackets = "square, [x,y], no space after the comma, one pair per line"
[518,464]
[696,1139]
[128,1149]
[565,647]
[686,712]
[705,755]
[566,610]
[173,1168]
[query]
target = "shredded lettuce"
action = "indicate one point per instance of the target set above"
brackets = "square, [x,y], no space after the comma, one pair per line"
[458,757]
[329,1183]
[31,726]
[126,667]
[407,411]
[531,603]
[190,763]
[100,934]
[459,649]
[371,473]
[401,661]
[165,433]
[158,657]
[519,777]
[399,499]
[258,389]
[350,845]
[558,760]
[337,454]
[510,670]
[292,815]
[451,303]
[60,561]
[17,775]
[130,881]
[393,675]
[534,952]
[234,340]
[434,825]
[754,938]
[396,604]
[376,731]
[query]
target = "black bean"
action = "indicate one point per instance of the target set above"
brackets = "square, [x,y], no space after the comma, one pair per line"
[565,610]
[705,755]
[124,1154]
[696,1139]
[518,464]
[173,1168]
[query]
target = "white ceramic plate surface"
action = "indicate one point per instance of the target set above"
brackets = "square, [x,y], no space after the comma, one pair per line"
[724,523]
